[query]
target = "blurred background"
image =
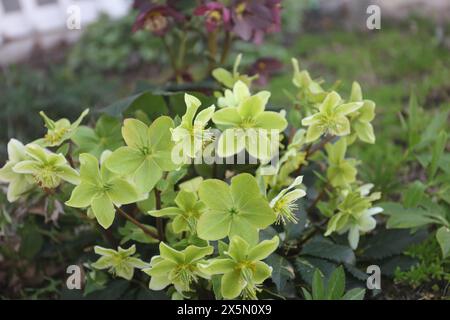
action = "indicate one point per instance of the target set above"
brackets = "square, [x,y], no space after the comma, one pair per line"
[45,66]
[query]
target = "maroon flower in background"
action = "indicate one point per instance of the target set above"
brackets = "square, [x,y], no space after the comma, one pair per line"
[265,67]
[215,13]
[253,19]
[157,18]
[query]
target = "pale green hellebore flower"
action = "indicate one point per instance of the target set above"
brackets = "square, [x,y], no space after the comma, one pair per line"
[310,89]
[242,268]
[101,190]
[19,184]
[180,268]
[341,172]
[59,131]
[284,204]
[191,134]
[148,152]
[362,117]
[355,215]
[228,79]
[249,127]
[48,169]
[185,215]
[120,263]
[330,118]
[239,209]
[239,94]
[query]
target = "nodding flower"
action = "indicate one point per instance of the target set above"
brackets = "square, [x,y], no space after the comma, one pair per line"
[252,20]
[216,15]
[157,19]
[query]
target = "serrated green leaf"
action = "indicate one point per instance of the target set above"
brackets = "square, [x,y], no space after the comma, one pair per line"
[323,248]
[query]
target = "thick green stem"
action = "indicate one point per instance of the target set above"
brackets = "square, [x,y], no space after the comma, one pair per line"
[212,50]
[226,47]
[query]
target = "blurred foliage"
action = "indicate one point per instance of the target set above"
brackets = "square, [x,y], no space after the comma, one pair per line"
[55,90]
[109,46]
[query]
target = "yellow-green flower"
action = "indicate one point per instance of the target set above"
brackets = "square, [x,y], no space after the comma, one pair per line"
[48,169]
[228,79]
[19,184]
[101,190]
[361,118]
[185,215]
[284,204]
[59,131]
[191,134]
[250,127]
[242,268]
[180,268]
[341,172]
[120,263]
[239,94]
[331,118]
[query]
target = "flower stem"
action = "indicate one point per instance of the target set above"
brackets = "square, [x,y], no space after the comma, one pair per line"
[212,50]
[159,221]
[226,47]
[146,230]
[172,59]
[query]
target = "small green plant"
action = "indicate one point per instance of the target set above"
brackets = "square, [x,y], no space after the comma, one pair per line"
[333,288]
[431,267]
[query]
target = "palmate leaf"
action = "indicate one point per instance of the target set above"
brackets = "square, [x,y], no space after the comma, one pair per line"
[282,272]
[326,249]
[387,243]
[306,266]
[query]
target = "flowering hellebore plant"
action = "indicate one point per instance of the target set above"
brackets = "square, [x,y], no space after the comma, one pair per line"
[201,230]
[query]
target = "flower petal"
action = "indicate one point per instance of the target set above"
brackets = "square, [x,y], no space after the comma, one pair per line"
[134,133]
[82,195]
[263,249]
[232,284]
[103,210]
[227,116]
[271,121]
